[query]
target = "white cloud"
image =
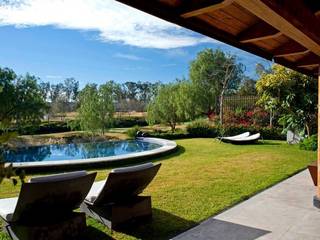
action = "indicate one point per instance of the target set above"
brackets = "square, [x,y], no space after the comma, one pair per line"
[177,52]
[128,56]
[114,21]
[53,76]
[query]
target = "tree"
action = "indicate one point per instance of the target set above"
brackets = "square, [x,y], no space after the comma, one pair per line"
[299,106]
[45,89]
[106,105]
[231,74]
[261,69]
[213,74]
[167,108]
[248,87]
[272,88]
[96,107]
[31,105]
[21,99]
[60,106]
[56,91]
[71,88]
[7,96]
[131,90]
[291,94]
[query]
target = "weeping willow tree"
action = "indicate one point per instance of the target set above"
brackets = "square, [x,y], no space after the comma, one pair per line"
[172,104]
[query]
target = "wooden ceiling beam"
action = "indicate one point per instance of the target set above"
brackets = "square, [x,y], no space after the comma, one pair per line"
[160,10]
[206,9]
[290,48]
[291,17]
[309,65]
[309,60]
[259,31]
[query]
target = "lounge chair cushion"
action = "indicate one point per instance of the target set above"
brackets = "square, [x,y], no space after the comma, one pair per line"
[58,177]
[7,207]
[95,191]
[133,168]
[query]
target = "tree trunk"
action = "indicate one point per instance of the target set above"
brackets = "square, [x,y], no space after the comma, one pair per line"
[221,107]
[271,119]
[308,129]
[173,127]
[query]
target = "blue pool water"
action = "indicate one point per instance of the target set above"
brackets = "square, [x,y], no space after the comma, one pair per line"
[77,151]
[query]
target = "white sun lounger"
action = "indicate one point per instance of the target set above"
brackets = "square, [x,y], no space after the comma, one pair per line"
[244,140]
[242,135]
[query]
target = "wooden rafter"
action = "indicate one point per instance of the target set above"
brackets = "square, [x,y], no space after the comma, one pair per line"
[172,13]
[318,151]
[290,48]
[206,9]
[310,65]
[290,17]
[308,61]
[259,31]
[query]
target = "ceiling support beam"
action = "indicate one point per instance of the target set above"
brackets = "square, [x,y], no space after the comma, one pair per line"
[157,8]
[317,197]
[290,17]
[210,8]
[259,31]
[290,48]
[310,65]
[308,61]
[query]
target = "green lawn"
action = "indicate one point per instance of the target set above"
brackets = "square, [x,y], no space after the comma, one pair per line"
[201,179]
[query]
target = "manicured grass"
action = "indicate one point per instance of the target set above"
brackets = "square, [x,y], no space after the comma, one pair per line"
[201,179]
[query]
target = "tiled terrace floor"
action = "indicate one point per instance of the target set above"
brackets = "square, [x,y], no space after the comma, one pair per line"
[282,212]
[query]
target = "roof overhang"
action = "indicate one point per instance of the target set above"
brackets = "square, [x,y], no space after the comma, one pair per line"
[286,31]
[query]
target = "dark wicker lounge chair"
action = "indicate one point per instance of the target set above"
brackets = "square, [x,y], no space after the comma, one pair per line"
[44,208]
[116,200]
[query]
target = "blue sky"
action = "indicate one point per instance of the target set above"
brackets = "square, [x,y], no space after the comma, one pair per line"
[53,41]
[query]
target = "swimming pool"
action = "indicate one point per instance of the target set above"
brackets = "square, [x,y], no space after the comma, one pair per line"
[85,153]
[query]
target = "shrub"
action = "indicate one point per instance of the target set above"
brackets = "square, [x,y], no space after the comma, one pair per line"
[274,133]
[129,122]
[202,128]
[266,132]
[43,128]
[260,117]
[74,125]
[170,135]
[132,132]
[309,143]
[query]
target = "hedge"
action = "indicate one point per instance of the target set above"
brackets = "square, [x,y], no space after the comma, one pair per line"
[73,125]
[205,130]
[130,122]
[43,128]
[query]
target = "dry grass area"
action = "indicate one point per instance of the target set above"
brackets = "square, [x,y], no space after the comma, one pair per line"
[73,115]
[62,138]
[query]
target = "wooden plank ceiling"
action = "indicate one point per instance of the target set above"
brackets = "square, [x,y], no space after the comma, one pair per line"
[286,31]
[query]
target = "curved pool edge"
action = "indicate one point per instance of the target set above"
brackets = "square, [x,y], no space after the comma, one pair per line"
[167,146]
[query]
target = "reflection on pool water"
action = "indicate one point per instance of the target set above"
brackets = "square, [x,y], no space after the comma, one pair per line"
[77,151]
